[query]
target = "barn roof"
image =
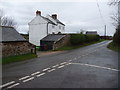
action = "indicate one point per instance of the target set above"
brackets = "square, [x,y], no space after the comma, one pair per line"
[53,37]
[91,32]
[9,34]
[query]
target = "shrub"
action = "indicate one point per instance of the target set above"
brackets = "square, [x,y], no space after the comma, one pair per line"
[89,38]
[116,37]
[77,39]
[82,38]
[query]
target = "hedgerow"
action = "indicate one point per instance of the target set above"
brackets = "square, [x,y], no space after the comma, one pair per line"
[83,38]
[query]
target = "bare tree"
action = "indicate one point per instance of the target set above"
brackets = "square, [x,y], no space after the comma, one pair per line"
[113,2]
[114,16]
[7,21]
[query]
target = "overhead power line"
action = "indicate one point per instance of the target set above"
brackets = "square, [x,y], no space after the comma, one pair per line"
[101,17]
[100,11]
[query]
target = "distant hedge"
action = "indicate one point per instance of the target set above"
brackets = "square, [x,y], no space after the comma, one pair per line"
[82,38]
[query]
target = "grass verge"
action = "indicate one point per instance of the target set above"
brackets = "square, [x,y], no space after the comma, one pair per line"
[17,58]
[114,47]
[77,46]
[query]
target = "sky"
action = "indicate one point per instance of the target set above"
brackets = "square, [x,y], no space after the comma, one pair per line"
[77,15]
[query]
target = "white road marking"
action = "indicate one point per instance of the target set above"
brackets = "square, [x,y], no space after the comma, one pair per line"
[13,85]
[4,85]
[70,60]
[24,77]
[40,74]
[35,73]
[28,79]
[61,66]
[63,63]
[51,70]
[97,66]
[45,69]
[55,66]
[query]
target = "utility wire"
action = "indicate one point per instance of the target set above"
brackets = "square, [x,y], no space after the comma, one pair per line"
[100,12]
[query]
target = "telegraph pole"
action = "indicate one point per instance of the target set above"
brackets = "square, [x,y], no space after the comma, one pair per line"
[105,32]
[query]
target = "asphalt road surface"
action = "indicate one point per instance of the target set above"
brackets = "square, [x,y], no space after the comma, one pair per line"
[93,66]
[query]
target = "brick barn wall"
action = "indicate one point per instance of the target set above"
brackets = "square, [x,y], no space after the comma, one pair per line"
[16,48]
[63,42]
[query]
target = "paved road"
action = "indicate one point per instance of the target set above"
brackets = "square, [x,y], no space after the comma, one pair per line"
[92,66]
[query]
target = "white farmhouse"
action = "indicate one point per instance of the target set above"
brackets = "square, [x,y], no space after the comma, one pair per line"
[41,26]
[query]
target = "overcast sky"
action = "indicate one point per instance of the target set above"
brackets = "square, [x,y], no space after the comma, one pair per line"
[82,14]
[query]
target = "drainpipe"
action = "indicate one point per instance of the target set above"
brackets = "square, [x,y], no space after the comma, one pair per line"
[47,27]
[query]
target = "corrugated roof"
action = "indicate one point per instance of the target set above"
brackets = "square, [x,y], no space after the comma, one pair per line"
[53,37]
[9,34]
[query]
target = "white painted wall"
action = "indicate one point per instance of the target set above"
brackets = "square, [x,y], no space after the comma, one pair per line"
[38,29]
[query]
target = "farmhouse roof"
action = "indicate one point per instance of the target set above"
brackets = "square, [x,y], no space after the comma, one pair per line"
[53,37]
[58,21]
[9,34]
[48,20]
[91,32]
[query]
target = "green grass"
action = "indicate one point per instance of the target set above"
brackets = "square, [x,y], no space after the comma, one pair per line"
[77,46]
[17,58]
[114,47]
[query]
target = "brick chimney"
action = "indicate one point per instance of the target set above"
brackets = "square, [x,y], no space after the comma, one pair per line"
[38,13]
[54,16]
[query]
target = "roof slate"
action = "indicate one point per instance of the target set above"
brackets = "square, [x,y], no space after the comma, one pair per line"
[53,37]
[9,34]
[53,22]
[48,20]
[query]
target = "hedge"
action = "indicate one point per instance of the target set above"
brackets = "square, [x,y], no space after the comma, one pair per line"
[77,38]
[89,38]
[83,38]
[116,37]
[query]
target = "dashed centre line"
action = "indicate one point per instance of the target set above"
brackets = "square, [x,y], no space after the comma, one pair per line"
[35,73]
[61,66]
[28,79]
[63,63]
[9,83]
[55,66]
[13,85]
[40,74]
[46,69]
[70,60]
[68,63]
[51,70]
[24,77]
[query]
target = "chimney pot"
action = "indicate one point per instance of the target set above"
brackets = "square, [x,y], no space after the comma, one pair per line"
[38,13]
[54,16]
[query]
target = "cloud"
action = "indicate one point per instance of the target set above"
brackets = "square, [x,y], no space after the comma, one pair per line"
[76,14]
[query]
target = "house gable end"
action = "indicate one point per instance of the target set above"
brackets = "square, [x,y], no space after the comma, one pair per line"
[38,20]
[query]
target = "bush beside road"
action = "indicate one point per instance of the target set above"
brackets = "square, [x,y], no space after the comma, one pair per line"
[114,47]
